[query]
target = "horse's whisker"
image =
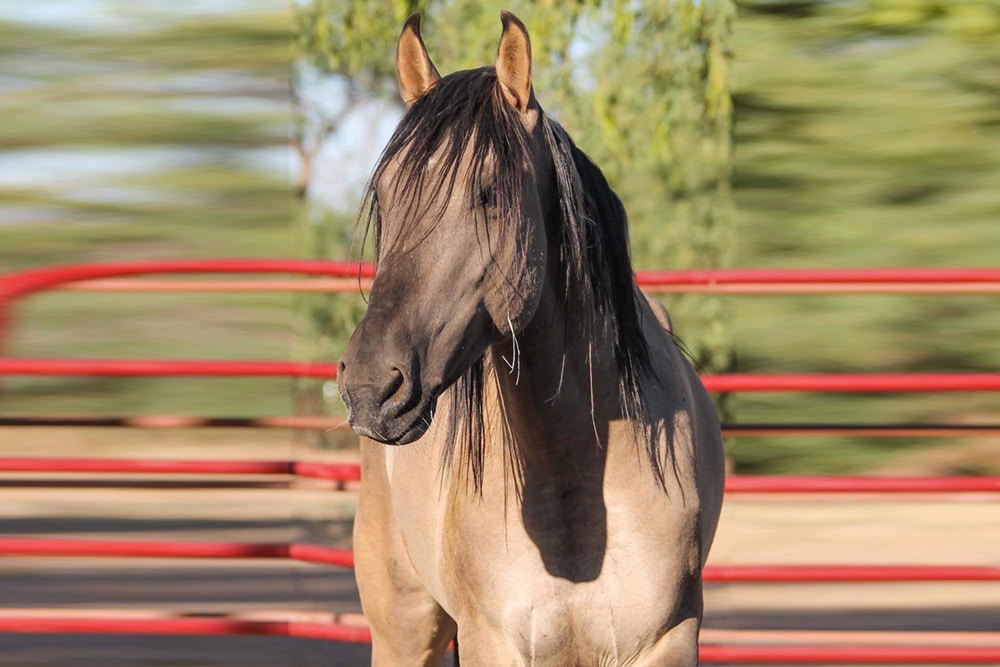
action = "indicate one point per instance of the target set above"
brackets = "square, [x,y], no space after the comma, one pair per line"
[515,352]
[335,426]
[562,370]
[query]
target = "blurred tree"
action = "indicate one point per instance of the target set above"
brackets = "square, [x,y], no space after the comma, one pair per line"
[966,18]
[169,85]
[350,42]
[653,108]
[135,131]
[866,135]
[643,86]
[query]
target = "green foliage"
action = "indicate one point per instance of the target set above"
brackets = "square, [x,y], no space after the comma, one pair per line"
[657,117]
[962,19]
[647,98]
[864,142]
[341,36]
[642,86]
[865,136]
[186,102]
[155,141]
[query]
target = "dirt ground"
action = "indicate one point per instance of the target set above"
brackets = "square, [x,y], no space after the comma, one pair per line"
[754,530]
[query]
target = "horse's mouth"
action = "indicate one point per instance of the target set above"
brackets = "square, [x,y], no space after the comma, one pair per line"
[398,431]
[411,434]
[415,432]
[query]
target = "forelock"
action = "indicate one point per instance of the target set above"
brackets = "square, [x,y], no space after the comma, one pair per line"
[462,133]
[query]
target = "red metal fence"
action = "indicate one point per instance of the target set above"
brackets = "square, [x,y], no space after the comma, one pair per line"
[899,648]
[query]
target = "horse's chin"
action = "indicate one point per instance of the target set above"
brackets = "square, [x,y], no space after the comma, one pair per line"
[414,433]
[409,435]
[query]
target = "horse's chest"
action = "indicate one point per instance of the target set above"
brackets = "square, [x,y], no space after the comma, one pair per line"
[575,622]
[566,578]
[579,565]
[609,621]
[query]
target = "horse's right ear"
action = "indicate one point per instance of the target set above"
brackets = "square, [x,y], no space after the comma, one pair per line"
[414,70]
[514,62]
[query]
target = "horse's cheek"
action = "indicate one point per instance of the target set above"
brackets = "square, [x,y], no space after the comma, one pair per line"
[512,307]
[518,289]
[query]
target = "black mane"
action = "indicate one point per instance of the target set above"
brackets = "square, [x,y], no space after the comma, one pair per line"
[596,275]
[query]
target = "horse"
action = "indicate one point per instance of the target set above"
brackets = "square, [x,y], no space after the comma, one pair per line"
[562,473]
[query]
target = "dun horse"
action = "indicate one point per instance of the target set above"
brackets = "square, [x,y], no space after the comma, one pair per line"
[562,475]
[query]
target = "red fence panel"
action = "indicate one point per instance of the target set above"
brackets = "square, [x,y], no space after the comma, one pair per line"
[345,276]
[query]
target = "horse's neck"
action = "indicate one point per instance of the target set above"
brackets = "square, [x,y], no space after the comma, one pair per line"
[557,385]
[559,400]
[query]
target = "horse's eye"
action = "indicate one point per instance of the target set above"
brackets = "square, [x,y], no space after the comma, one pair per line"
[488,197]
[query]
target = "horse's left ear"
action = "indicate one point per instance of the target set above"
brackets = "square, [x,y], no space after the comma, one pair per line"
[514,62]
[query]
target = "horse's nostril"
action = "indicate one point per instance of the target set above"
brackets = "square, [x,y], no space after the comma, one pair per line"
[394,389]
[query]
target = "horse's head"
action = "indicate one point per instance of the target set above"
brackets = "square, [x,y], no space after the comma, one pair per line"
[457,203]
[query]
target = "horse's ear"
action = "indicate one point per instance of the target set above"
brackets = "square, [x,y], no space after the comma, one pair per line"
[414,70]
[514,62]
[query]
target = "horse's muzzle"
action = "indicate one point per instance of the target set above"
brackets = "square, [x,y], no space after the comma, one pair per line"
[386,405]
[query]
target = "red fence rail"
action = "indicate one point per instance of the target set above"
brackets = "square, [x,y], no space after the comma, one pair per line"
[18,285]
[84,548]
[875,655]
[162,625]
[742,430]
[735,382]
[743,281]
[351,472]
[132,623]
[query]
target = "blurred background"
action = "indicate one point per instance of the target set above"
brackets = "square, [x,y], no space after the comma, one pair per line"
[860,134]
[747,133]
[138,131]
